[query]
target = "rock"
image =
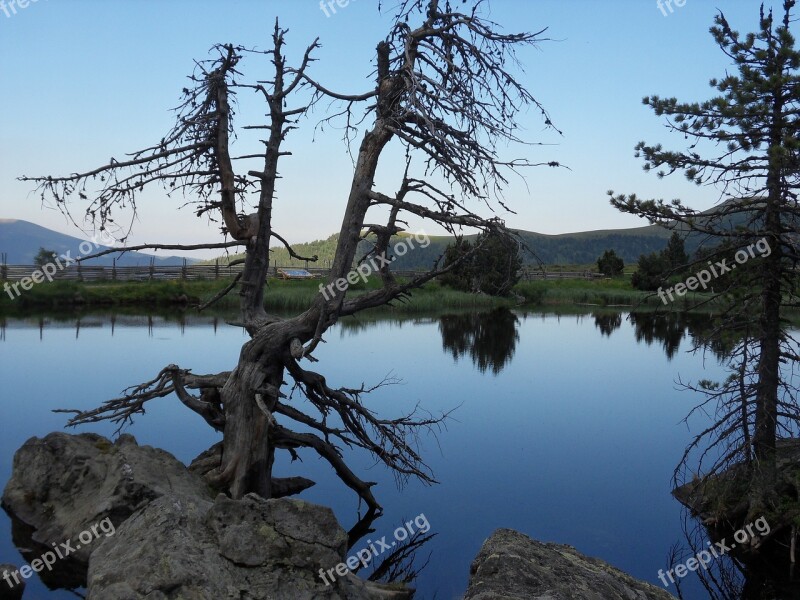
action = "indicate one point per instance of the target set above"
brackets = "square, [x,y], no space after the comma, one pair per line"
[250,549]
[159,534]
[62,485]
[512,566]
[9,588]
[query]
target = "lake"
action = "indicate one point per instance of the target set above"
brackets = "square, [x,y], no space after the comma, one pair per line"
[567,426]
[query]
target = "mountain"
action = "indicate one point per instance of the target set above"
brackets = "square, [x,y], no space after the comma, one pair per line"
[21,241]
[580,248]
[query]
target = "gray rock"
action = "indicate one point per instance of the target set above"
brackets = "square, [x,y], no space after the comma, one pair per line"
[250,549]
[9,588]
[63,484]
[512,566]
[164,536]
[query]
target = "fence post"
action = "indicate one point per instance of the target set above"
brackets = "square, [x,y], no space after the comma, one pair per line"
[80,272]
[216,268]
[4,266]
[113,269]
[183,270]
[152,269]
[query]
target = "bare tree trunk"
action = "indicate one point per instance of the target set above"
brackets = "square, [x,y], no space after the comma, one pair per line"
[248,453]
[358,201]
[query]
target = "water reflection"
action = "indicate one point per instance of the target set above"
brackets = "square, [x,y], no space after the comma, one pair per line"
[765,574]
[670,329]
[68,573]
[491,341]
[111,322]
[489,338]
[607,323]
[400,564]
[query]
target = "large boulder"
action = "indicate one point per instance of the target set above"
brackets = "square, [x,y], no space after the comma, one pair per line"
[512,566]
[63,485]
[145,527]
[250,549]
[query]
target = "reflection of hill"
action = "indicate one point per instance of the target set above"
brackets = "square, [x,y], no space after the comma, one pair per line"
[490,338]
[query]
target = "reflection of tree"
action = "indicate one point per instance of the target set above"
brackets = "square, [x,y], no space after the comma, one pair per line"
[667,328]
[489,338]
[670,329]
[720,577]
[607,323]
[400,565]
[746,573]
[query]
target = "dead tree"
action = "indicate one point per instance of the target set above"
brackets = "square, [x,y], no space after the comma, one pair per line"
[446,90]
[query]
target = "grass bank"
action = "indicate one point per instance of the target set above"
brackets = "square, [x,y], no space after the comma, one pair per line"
[296,295]
[279,296]
[617,292]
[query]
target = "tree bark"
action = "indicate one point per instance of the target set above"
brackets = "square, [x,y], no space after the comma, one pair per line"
[768,369]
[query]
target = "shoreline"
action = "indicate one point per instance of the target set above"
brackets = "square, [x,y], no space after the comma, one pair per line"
[296,295]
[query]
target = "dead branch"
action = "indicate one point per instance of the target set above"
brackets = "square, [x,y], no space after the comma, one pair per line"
[122,410]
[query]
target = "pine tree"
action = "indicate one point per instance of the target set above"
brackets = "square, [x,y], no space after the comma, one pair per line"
[745,143]
[610,264]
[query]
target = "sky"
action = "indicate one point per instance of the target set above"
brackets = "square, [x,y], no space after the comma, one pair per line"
[85,80]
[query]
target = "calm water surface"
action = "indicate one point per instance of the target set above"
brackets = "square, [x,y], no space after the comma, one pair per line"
[568,427]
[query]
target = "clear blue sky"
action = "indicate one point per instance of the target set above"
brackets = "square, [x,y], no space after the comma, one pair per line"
[84,80]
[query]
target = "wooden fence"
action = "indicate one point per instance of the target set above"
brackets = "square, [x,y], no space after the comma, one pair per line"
[217,270]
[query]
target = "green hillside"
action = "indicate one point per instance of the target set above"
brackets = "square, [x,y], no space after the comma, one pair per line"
[568,248]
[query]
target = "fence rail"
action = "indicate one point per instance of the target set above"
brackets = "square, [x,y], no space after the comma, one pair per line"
[152,272]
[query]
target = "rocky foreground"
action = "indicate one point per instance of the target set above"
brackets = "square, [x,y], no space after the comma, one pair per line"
[131,522]
[512,566]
